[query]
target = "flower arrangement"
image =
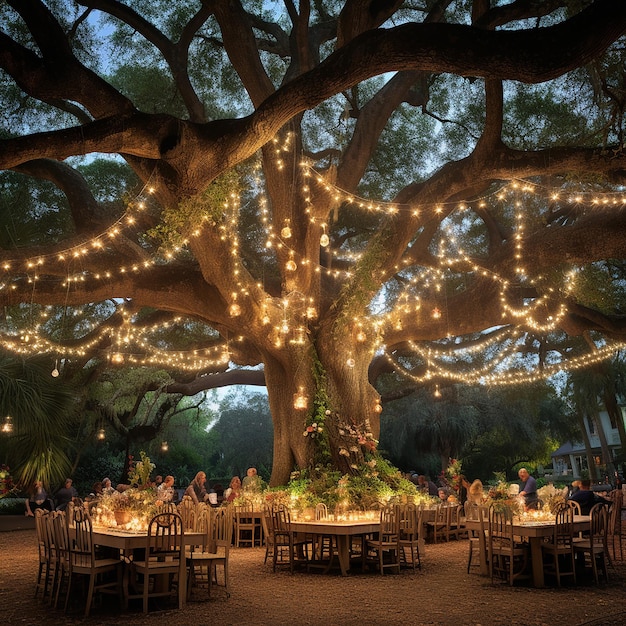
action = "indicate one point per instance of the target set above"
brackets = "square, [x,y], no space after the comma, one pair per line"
[6,481]
[139,471]
[553,498]
[134,506]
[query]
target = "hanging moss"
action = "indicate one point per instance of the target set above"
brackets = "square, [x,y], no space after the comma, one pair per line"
[207,207]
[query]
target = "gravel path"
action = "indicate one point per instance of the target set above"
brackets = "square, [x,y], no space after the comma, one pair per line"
[442,593]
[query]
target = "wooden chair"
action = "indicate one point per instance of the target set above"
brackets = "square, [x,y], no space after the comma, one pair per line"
[288,548]
[410,530]
[508,559]
[45,549]
[455,528]
[593,547]
[322,548]
[574,506]
[477,539]
[268,533]
[561,547]
[164,561]
[187,510]
[384,549]
[438,526]
[61,542]
[213,553]
[247,526]
[83,562]
[615,524]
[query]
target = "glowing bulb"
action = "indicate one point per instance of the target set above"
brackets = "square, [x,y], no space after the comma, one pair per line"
[101,434]
[285,233]
[234,310]
[377,407]
[291,266]
[437,392]
[350,362]
[436,313]
[324,240]
[361,336]
[164,446]
[7,427]
[300,400]
[55,372]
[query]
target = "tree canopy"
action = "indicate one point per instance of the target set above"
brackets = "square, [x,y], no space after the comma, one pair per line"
[311,196]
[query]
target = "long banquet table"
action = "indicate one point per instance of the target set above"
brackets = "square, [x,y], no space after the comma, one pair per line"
[535,532]
[341,532]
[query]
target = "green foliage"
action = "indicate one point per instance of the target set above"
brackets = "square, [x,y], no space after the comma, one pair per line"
[210,207]
[43,412]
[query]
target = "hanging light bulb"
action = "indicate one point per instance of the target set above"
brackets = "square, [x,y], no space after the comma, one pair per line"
[164,446]
[291,266]
[285,233]
[55,372]
[436,313]
[437,392]
[350,362]
[311,312]
[7,427]
[101,434]
[324,238]
[377,407]
[117,358]
[234,310]
[300,400]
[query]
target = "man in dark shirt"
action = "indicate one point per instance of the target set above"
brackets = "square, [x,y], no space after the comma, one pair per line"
[585,497]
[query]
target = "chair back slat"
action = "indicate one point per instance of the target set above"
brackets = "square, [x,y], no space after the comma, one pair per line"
[165,536]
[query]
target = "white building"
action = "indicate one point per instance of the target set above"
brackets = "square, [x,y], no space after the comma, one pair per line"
[570,460]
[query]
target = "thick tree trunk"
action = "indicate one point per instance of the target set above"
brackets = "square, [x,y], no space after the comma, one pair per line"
[591,465]
[339,398]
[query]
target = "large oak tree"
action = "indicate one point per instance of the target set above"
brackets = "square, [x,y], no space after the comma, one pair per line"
[429,109]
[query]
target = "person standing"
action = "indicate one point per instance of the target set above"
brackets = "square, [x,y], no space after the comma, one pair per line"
[528,489]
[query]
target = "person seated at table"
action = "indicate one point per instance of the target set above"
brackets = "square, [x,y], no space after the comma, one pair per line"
[586,498]
[575,487]
[65,495]
[425,484]
[234,489]
[96,492]
[462,489]
[476,492]
[252,481]
[196,490]
[37,499]
[107,486]
[443,494]
[166,491]
[528,490]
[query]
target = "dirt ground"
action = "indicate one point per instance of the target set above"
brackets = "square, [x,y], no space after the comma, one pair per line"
[442,593]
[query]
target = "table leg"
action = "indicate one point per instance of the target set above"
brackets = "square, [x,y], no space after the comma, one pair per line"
[343,552]
[536,557]
[482,548]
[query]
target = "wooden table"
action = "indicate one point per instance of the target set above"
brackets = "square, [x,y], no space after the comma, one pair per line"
[341,532]
[535,532]
[127,541]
